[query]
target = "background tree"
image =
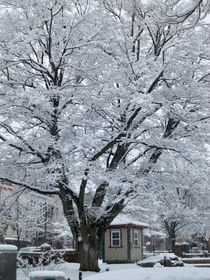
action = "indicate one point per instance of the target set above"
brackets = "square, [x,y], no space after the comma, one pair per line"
[175,200]
[179,201]
[8,202]
[25,217]
[93,105]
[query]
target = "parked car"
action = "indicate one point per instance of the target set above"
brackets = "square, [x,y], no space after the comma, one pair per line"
[165,259]
[38,255]
[29,255]
[29,250]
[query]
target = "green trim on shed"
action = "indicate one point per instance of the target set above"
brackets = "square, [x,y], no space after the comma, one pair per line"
[129,243]
[102,249]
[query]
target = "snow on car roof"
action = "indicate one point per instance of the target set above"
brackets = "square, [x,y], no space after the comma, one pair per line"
[4,247]
[46,274]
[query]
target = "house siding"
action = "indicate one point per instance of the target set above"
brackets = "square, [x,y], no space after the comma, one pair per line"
[129,243]
[136,251]
[127,251]
[116,254]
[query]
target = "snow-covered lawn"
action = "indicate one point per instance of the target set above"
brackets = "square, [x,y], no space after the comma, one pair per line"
[129,272]
[71,270]
[156,273]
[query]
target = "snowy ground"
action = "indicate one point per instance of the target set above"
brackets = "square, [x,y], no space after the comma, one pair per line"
[71,270]
[156,273]
[127,271]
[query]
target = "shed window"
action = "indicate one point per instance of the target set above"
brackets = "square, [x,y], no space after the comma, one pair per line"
[115,238]
[136,238]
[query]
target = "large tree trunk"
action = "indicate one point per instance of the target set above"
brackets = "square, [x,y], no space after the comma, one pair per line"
[171,229]
[172,239]
[89,250]
[2,240]
[87,237]
[88,233]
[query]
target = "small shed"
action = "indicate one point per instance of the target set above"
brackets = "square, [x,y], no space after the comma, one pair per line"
[123,242]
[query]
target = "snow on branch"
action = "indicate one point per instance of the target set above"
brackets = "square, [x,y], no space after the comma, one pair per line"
[29,187]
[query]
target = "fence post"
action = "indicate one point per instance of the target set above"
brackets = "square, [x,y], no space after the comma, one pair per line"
[8,262]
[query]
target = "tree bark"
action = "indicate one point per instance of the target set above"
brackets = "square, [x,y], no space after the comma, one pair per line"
[89,250]
[87,236]
[173,240]
[171,229]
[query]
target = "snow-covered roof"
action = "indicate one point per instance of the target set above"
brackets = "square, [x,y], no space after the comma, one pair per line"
[14,238]
[11,238]
[123,220]
[182,243]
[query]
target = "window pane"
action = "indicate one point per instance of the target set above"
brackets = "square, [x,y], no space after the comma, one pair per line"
[115,238]
[115,242]
[115,235]
[136,238]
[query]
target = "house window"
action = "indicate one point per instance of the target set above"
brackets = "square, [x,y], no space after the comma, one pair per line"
[115,238]
[136,238]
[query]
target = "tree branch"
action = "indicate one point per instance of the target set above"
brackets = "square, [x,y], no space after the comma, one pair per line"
[21,184]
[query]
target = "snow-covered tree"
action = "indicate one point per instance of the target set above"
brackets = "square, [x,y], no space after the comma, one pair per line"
[93,95]
[175,199]
[180,196]
[8,209]
[24,216]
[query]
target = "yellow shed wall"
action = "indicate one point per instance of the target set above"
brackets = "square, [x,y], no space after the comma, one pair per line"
[116,253]
[136,251]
